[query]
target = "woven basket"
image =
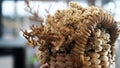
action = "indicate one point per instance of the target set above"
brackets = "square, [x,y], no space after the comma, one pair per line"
[97,57]
[92,44]
[80,57]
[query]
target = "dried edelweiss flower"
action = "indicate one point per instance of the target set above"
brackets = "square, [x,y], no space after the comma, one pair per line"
[97,32]
[106,47]
[97,45]
[97,48]
[99,40]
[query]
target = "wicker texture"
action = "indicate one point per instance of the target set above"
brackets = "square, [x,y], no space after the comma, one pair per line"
[61,61]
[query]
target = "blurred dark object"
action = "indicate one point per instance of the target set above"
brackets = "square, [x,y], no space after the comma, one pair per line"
[1,25]
[17,53]
[91,2]
[106,1]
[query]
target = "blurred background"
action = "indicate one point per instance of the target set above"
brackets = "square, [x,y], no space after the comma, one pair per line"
[14,50]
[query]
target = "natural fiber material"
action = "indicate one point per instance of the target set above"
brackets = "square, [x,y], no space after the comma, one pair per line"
[76,37]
